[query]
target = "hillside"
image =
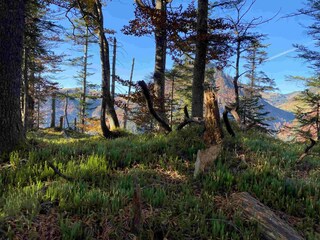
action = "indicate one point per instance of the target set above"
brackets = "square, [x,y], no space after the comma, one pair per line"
[97,201]
[285,102]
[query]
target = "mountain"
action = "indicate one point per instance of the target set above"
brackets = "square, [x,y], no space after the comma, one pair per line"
[226,95]
[273,103]
[285,102]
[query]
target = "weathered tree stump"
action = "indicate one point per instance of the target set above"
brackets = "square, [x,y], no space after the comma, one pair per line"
[272,227]
[212,135]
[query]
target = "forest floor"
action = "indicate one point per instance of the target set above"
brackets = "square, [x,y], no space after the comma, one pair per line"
[94,197]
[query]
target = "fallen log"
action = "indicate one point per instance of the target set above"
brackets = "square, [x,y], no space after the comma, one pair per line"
[271,226]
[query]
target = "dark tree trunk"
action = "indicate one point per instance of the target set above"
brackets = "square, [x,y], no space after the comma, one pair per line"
[66,110]
[114,59]
[160,56]
[11,47]
[237,76]
[107,103]
[200,59]
[25,90]
[53,111]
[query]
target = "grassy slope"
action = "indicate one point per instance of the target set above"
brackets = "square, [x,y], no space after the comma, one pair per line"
[36,203]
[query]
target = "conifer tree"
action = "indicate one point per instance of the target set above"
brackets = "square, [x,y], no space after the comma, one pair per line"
[251,109]
[309,116]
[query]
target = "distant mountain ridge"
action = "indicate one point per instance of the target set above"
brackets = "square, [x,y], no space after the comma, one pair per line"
[226,95]
[271,101]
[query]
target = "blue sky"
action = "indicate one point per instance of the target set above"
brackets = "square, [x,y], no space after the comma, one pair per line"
[282,33]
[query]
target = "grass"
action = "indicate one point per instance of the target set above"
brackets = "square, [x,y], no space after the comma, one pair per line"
[35,203]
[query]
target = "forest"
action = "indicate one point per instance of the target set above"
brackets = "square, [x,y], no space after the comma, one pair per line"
[205,146]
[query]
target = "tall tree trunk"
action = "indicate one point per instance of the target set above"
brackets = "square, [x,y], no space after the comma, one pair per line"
[25,89]
[53,111]
[11,48]
[237,76]
[200,59]
[66,110]
[84,83]
[114,58]
[171,107]
[160,56]
[106,104]
[125,117]
[31,101]
[38,107]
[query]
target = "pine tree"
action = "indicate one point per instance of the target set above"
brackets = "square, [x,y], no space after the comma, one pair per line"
[251,109]
[11,49]
[39,62]
[308,117]
[82,37]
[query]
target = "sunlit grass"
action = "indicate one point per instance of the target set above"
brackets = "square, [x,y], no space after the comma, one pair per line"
[98,199]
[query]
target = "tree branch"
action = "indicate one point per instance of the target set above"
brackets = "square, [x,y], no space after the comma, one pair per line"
[57,171]
[147,96]
[308,148]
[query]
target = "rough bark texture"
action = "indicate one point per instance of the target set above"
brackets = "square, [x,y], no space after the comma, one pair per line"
[212,135]
[271,226]
[200,59]
[11,47]
[106,103]
[25,89]
[213,132]
[160,33]
[160,57]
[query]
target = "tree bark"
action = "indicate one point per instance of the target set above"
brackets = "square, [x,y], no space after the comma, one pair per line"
[213,133]
[271,226]
[160,57]
[66,110]
[114,58]
[106,103]
[200,59]
[25,89]
[237,76]
[53,111]
[125,117]
[84,84]
[11,47]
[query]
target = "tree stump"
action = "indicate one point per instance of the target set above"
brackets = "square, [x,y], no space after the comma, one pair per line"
[212,135]
[272,227]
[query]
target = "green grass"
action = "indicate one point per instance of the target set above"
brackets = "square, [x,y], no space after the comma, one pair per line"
[97,203]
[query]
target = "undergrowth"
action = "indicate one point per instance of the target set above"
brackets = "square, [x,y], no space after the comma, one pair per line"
[36,203]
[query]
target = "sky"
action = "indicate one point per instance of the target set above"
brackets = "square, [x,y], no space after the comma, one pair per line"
[281,32]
